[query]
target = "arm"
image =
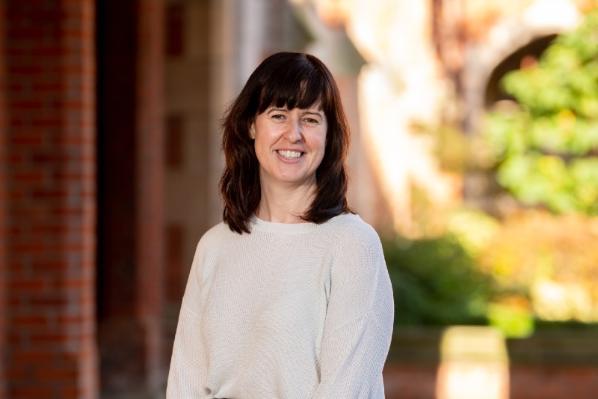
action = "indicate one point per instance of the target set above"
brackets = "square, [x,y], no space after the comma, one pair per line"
[186,376]
[358,325]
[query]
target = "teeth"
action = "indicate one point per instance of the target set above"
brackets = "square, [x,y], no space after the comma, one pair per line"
[290,154]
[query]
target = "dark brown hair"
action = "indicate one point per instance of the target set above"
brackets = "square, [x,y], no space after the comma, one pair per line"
[291,80]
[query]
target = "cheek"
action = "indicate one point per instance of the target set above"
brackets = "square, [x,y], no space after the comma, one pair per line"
[322,141]
[321,145]
[260,153]
[261,142]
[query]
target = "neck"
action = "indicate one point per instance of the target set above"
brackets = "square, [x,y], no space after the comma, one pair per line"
[285,204]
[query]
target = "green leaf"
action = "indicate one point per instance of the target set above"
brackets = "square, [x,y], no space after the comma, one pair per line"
[545,148]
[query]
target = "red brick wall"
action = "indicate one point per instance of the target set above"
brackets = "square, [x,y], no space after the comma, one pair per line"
[531,381]
[550,381]
[409,381]
[50,137]
[2,207]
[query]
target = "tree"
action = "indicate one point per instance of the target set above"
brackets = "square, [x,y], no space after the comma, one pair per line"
[546,147]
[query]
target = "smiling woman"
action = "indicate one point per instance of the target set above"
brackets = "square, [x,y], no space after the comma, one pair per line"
[288,297]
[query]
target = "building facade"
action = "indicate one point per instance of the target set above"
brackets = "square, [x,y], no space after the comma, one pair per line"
[110,151]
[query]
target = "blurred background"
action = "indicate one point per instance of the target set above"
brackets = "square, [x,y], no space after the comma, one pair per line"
[474,154]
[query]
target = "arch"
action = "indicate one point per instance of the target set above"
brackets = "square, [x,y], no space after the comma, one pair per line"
[533,50]
[505,39]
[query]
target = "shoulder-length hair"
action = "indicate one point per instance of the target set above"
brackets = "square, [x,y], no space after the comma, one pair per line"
[283,80]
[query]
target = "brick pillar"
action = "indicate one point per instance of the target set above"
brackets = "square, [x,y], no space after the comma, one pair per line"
[130,117]
[3,296]
[50,246]
[150,190]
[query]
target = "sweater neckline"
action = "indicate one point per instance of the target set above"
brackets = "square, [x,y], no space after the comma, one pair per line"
[276,227]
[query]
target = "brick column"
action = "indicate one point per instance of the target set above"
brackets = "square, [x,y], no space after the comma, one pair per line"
[50,135]
[3,296]
[150,189]
[131,180]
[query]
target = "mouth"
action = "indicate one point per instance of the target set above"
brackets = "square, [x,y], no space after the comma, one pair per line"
[290,154]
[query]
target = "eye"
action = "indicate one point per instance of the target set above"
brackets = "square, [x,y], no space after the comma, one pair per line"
[278,116]
[311,121]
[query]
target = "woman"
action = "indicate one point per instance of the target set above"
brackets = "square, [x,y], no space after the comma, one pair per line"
[289,297]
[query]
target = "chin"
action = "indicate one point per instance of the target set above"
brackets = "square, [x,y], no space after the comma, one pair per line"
[297,180]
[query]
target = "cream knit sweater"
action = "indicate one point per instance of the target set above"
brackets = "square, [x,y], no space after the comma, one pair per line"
[290,311]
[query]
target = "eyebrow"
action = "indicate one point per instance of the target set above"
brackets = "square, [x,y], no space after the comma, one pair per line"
[318,113]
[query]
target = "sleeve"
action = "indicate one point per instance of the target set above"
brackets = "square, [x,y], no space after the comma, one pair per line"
[358,325]
[186,378]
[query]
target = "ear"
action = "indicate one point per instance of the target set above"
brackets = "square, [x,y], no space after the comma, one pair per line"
[252,131]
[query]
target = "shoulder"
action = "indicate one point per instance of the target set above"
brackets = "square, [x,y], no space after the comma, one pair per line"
[351,229]
[209,248]
[214,234]
[214,238]
[352,240]
[356,250]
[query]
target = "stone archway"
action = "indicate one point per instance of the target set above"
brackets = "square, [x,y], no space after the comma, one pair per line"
[527,54]
[540,20]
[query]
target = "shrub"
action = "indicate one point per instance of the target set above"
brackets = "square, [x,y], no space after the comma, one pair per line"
[436,282]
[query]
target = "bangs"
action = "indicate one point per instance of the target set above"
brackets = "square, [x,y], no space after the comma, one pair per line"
[300,87]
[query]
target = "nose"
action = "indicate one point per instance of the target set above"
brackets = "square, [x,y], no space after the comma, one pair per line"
[294,131]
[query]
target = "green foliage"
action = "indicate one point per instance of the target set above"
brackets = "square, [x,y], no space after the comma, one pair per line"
[547,148]
[512,321]
[436,282]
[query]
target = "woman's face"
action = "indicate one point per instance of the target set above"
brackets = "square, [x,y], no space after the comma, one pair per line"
[289,145]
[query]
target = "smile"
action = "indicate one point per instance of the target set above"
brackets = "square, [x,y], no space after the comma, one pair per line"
[289,154]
